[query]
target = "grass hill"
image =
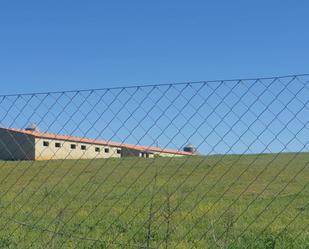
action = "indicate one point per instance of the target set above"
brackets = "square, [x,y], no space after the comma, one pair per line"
[231,201]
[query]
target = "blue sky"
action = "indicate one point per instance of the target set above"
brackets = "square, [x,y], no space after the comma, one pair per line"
[67,45]
[270,115]
[63,45]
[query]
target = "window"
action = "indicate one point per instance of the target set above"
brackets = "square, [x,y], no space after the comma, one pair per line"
[106,150]
[45,143]
[83,147]
[118,151]
[57,145]
[144,154]
[73,146]
[97,149]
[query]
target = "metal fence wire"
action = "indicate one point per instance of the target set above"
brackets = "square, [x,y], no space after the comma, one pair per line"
[214,164]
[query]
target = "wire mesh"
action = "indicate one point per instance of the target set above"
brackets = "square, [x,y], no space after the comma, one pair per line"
[211,164]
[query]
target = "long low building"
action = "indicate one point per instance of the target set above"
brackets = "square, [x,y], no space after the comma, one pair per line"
[31,144]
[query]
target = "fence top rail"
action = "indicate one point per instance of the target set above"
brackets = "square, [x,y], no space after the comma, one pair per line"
[156,85]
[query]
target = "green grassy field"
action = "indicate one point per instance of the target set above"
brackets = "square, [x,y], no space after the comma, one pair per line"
[200,202]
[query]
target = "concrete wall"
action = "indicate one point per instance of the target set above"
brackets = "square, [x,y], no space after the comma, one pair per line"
[66,152]
[19,146]
[136,153]
[162,154]
[16,146]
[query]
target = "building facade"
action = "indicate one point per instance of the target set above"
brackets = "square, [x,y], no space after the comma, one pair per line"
[31,144]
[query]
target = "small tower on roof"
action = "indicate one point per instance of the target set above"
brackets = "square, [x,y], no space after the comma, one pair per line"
[32,127]
[190,148]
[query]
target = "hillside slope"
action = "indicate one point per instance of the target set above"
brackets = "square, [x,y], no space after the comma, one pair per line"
[232,201]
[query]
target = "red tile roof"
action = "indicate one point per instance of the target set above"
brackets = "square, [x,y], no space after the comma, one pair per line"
[94,141]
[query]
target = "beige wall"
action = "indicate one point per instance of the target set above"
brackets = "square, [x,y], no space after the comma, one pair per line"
[65,152]
[167,154]
[16,146]
[131,152]
[137,153]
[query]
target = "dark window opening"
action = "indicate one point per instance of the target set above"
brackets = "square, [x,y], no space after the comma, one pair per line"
[97,149]
[145,154]
[73,146]
[106,150]
[45,143]
[118,151]
[57,145]
[83,147]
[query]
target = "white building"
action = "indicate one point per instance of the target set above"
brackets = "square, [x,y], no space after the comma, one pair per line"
[31,144]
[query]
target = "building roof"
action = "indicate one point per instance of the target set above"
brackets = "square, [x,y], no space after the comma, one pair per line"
[46,135]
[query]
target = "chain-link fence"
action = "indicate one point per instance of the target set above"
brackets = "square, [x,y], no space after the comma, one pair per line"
[216,164]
